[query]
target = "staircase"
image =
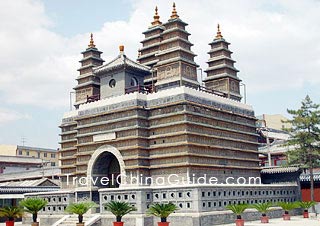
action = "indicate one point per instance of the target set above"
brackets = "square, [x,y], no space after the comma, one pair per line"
[72,220]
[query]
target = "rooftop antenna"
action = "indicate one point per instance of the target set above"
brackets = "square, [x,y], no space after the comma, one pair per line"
[23,141]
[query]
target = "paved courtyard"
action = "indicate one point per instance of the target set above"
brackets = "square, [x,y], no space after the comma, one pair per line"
[295,221]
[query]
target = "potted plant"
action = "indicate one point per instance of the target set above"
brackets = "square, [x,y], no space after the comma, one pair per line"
[306,206]
[238,209]
[163,211]
[263,208]
[80,208]
[11,213]
[287,206]
[119,209]
[33,206]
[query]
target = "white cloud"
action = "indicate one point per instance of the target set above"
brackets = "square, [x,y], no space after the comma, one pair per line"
[7,116]
[275,44]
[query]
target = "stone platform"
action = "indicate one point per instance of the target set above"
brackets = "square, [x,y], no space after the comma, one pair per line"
[295,221]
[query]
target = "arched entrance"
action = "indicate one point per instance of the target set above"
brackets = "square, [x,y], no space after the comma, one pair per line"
[106,168]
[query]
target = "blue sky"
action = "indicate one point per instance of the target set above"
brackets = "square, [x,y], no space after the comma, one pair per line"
[69,16]
[276,49]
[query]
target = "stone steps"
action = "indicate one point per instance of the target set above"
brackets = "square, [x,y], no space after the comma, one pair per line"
[72,220]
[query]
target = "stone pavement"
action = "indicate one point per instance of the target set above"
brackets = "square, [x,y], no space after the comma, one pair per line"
[295,221]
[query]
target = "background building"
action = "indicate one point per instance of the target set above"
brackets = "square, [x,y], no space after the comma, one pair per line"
[275,121]
[49,156]
[273,148]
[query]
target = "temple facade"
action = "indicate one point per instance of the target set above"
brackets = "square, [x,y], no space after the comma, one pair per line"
[140,120]
[156,116]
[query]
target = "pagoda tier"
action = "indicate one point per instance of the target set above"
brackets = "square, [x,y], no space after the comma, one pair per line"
[221,73]
[167,50]
[150,45]
[88,84]
[176,66]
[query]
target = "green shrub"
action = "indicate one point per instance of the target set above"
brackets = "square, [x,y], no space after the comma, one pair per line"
[263,208]
[162,210]
[33,206]
[287,206]
[80,208]
[306,205]
[237,209]
[11,212]
[119,209]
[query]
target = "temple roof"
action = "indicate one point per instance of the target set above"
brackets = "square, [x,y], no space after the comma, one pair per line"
[12,189]
[121,61]
[274,170]
[305,176]
[31,183]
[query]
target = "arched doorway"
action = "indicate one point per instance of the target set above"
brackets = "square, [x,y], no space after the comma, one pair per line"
[106,168]
[105,171]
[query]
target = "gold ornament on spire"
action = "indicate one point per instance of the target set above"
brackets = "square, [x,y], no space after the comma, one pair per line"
[91,45]
[121,48]
[174,14]
[156,18]
[219,35]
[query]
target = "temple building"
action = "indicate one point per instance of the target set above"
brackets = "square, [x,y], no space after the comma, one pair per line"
[187,130]
[149,119]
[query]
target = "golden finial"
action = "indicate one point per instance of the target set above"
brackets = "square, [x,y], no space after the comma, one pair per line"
[121,48]
[91,45]
[219,35]
[156,18]
[174,14]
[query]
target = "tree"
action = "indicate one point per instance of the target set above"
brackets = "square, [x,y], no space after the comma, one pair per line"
[237,209]
[80,208]
[305,137]
[11,212]
[33,206]
[119,209]
[162,210]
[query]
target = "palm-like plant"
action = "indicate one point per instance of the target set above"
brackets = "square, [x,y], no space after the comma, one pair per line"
[237,209]
[11,212]
[263,208]
[119,209]
[287,206]
[306,205]
[80,208]
[162,210]
[33,206]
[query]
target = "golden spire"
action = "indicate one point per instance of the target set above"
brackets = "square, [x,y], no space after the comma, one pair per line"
[91,45]
[156,18]
[174,14]
[121,48]
[219,35]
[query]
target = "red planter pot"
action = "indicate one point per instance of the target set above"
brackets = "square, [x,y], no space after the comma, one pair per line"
[118,223]
[239,222]
[305,214]
[9,223]
[286,217]
[163,223]
[264,219]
